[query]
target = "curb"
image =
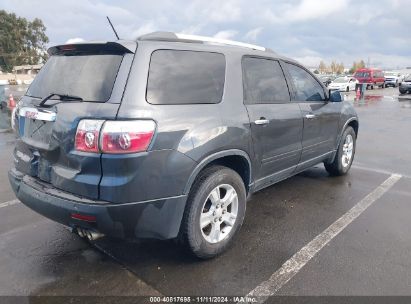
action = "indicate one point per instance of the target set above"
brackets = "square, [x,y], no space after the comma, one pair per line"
[5,130]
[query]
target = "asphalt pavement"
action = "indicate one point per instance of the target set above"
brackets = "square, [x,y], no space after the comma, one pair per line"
[300,237]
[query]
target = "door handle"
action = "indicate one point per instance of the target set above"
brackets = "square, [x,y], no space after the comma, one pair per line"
[310,116]
[262,121]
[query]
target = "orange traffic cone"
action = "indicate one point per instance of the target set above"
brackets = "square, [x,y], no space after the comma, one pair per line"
[11,103]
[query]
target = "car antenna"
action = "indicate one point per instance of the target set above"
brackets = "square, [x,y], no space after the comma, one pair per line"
[114,30]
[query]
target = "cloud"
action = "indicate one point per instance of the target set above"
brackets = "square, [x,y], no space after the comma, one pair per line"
[341,30]
[310,61]
[228,34]
[306,10]
[216,11]
[75,40]
[144,29]
[252,35]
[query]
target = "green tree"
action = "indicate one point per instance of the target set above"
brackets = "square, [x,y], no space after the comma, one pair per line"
[21,41]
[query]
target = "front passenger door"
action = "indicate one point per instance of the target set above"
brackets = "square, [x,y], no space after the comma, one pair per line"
[321,118]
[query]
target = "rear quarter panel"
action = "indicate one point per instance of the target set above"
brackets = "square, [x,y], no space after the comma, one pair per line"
[186,134]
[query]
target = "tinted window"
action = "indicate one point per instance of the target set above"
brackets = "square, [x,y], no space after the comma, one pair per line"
[307,88]
[90,77]
[362,74]
[184,77]
[264,81]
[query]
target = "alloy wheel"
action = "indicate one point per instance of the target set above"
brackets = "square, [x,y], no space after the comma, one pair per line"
[219,213]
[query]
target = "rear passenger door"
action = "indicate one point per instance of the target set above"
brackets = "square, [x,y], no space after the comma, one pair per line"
[321,118]
[276,123]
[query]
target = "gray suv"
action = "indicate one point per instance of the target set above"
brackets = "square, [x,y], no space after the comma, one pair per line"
[165,137]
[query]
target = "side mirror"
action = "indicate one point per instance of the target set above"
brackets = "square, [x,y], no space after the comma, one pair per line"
[335,96]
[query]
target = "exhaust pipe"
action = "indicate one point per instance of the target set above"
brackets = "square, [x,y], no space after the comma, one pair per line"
[89,234]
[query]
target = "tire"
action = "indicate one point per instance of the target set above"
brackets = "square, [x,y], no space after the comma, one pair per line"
[341,165]
[402,91]
[347,89]
[213,182]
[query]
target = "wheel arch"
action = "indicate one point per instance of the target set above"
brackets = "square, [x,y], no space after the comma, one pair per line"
[235,159]
[351,122]
[354,124]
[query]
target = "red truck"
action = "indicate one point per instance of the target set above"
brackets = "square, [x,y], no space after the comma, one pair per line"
[372,77]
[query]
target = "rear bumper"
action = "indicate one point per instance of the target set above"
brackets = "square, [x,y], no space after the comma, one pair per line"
[391,82]
[159,219]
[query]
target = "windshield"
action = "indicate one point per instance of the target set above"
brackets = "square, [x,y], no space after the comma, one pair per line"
[362,74]
[90,77]
[390,74]
[341,80]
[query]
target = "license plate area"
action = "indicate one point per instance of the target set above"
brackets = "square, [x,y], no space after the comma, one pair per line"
[36,125]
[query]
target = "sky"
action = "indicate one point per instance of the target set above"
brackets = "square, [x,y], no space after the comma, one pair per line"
[378,31]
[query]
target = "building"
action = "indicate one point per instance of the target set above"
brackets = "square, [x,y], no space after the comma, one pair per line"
[27,69]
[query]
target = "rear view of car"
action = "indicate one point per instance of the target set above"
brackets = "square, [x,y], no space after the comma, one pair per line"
[77,82]
[66,122]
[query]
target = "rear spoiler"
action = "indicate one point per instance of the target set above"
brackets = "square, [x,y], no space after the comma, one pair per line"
[119,47]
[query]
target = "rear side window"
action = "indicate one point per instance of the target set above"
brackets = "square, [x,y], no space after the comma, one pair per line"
[362,74]
[185,77]
[264,81]
[306,87]
[90,77]
[378,74]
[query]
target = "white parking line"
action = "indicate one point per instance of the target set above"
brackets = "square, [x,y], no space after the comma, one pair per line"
[291,267]
[376,170]
[9,203]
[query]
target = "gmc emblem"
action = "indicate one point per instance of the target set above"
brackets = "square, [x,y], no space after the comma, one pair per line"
[30,114]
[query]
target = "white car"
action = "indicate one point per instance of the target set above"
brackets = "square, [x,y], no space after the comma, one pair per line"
[343,84]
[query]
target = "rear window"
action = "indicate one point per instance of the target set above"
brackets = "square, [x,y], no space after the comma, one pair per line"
[362,74]
[90,77]
[185,77]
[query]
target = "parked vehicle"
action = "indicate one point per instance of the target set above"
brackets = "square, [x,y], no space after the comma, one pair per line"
[392,79]
[405,86]
[171,136]
[372,77]
[326,80]
[346,84]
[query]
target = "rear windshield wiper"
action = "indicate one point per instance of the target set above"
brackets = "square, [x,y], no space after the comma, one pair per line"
[62,97]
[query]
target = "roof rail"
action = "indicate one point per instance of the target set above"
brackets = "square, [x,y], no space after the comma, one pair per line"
[177,37]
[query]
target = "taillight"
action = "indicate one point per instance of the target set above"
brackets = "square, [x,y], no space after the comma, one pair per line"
[115,137]
[126,136]
[87,135]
